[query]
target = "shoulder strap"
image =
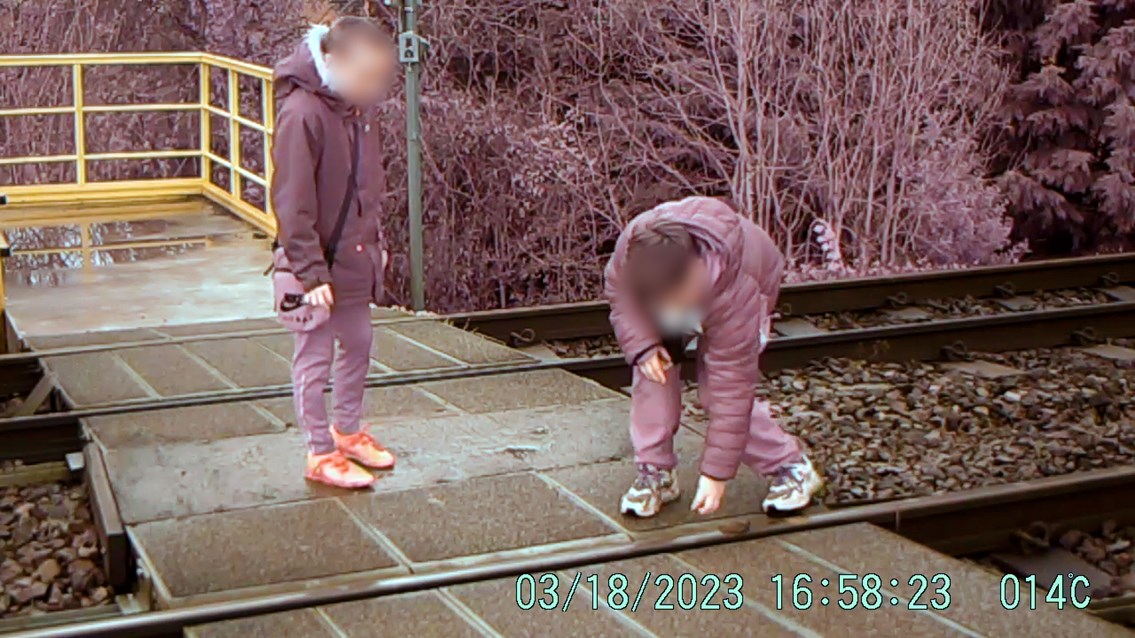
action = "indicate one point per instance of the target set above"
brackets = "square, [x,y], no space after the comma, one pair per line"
[348,199]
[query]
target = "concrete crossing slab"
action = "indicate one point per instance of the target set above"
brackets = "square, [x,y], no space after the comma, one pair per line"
[183,479]
[403,354]
[727,590]
[458,343]
[177,425]
[518,391]
[218,327]
[303,623]
[757,562]
[102,337]
[602,485]
[243,361]
[171,371]
[417,614]
[564,436]
[257,547]
[495,602]
[974,593]
[96,377]
[477,516]
[379,405]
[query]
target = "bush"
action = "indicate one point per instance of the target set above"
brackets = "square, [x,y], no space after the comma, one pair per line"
[1070,123]
[548,125]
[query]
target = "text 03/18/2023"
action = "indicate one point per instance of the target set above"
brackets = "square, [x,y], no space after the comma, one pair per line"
[660,592]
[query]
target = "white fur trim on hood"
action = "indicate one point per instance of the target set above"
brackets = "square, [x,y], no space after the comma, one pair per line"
[314,39]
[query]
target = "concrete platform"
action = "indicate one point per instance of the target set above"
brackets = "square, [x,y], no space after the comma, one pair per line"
[714,580]
[211,270]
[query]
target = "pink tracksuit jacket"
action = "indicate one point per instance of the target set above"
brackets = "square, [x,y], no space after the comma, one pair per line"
[744,294]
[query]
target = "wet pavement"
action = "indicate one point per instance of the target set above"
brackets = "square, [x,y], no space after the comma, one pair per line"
[166,263]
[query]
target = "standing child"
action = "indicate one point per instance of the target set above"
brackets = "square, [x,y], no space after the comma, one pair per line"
[327,191]
[696,267]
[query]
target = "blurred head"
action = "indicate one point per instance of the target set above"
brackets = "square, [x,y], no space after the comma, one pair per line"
[361,58]
[668,276]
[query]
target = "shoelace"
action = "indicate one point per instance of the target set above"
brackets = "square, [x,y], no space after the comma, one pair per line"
[336,462]
[650,476]
[363,437]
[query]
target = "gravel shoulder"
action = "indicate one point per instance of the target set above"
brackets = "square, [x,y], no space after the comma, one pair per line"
[50,558]
[890,430]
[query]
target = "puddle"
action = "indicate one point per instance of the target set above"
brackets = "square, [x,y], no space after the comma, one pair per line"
[141,265]
[54,256]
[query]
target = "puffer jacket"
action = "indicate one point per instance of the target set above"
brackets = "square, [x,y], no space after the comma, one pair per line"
[312,154]
[743,297]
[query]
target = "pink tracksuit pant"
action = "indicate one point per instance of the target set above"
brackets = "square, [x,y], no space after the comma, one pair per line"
[312,362]
[656,409]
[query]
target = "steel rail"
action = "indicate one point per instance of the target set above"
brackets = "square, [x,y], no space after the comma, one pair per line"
[522,326]
[923,341]
[589,319]
[990,514]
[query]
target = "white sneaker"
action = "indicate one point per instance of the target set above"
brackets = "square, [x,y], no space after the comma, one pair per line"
[793,487]
[652,488]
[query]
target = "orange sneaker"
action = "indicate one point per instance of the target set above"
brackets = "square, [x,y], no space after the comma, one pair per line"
[362,447]
[334,469]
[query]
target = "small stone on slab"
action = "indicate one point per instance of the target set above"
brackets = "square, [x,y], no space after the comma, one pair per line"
[1018,304]
[1120,293]
[1115,353]
[909,314]
[983,369]
[796,328]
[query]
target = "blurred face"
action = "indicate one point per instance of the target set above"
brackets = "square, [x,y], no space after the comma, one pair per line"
[363,72]
[680,311]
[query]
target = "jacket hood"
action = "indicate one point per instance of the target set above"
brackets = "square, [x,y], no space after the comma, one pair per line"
[710,221]
[306,70]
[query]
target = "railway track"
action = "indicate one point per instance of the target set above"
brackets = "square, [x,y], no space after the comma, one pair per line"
[950,339]
[979,521]
[520,327]
[988,516]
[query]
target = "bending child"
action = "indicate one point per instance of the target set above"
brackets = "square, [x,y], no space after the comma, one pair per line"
[697,268]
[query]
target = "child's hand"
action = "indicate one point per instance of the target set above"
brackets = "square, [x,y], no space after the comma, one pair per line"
[656,365]
[320,296]
[708,498]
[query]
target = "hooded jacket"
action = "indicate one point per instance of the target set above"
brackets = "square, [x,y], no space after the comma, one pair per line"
[743,296]
[312,156]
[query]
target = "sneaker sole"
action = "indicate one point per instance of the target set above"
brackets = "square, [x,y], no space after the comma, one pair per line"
[360,486]
[363,463]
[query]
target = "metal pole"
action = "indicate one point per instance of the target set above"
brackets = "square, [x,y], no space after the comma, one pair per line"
[410,46]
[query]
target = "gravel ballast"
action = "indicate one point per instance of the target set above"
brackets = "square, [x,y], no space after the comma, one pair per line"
[890,430]
[51,559]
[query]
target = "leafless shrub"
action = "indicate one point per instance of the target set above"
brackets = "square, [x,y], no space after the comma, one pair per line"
[548,124]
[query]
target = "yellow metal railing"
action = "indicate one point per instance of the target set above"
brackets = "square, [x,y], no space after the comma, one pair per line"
[81,189]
